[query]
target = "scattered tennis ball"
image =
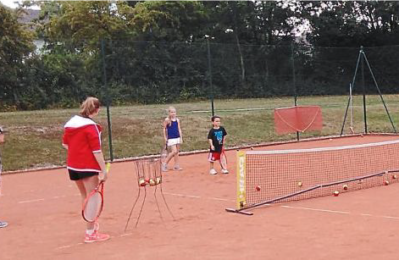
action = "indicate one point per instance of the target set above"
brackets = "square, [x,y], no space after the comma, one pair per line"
[258,188]
[336,193]
[345,187]
[152,182]
[386,182]
[394,176]
[300,184]
[142,182]
[158,180]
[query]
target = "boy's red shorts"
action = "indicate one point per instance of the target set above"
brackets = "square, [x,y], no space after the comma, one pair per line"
[215,156]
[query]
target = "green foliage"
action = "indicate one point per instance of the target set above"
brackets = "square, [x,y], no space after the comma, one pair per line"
[15,46]
[156,51]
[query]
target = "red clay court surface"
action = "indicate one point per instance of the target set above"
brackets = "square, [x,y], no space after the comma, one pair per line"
[43,211]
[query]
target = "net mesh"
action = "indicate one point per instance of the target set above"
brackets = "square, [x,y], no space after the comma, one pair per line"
[298,119]
[275,174]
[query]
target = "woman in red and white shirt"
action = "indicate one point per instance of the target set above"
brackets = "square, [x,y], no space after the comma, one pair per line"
[85,162]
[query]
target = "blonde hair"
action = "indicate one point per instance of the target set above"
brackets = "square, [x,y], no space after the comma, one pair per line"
[89,106]
[170,119]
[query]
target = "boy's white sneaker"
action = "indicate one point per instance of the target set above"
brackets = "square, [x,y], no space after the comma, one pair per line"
[213,172]
[225,171]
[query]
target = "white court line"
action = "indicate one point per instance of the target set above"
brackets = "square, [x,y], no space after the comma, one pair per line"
[81,243]
[44,199]
[30,201]
[341,212]
[197,197]
[319,210]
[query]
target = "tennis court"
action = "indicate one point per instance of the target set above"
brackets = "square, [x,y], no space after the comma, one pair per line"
[45,223]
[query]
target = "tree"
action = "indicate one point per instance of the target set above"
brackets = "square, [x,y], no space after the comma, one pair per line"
[181,21]
[352,23]
[15,47]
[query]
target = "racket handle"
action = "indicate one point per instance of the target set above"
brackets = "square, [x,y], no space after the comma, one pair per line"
[108,167]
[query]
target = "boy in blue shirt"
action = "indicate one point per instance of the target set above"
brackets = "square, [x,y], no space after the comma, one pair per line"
[217,139]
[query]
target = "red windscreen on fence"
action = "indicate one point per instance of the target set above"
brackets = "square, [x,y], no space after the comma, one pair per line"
[298,119]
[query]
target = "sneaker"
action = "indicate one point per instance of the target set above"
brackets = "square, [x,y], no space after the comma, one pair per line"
[164,167]
[3,224]
[213,172]
[177,168]
[225,171]
[96,236]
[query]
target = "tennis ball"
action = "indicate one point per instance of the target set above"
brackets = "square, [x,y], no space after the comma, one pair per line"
[394,176]
[300,184]
[336,193]
[258,188]
[142,182]
[158,180]
[152,182]
[345,187]
[386,182]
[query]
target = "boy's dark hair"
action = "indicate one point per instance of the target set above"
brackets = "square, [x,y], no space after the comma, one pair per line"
[214,117]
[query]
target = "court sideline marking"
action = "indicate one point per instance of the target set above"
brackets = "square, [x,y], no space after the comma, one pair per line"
[231,200]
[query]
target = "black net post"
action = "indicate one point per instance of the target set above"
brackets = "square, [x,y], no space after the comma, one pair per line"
[107,100]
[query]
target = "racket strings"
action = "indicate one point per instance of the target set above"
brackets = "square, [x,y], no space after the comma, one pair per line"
[93,207]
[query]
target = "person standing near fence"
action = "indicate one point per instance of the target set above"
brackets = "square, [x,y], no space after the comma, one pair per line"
[173,138]
[85,163]
[3,224]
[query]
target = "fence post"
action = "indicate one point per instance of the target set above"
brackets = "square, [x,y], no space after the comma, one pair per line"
[364,90]
[294,81]
[107,100]
[210,74]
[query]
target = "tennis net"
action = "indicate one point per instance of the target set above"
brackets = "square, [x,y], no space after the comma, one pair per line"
[265,177]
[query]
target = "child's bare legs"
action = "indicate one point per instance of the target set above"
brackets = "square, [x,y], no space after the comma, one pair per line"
[176,157]
[171,154]
[212,170]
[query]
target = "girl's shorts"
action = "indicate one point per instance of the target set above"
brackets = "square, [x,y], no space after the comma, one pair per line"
[76,175]
[174,141]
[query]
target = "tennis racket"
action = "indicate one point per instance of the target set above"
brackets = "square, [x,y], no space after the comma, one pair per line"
[164,154]
[223,159]
[94,203]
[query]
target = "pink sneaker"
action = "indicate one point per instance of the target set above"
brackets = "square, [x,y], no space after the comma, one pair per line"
[96,236]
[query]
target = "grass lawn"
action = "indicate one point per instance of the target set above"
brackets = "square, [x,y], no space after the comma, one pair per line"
[34,137]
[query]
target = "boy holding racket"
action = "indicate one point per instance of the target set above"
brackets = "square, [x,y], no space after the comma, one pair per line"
[3,224]
[217,139]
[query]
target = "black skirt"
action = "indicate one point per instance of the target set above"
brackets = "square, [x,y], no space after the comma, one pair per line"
[77,175]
